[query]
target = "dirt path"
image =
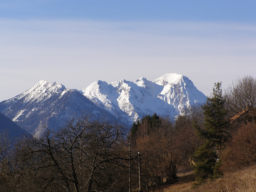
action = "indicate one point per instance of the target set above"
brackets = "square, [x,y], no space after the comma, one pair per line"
[182,184]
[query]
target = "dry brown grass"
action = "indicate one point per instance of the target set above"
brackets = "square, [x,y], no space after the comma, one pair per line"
[183,183]
[240,181]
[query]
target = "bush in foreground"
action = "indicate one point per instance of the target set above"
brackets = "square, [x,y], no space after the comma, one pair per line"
[241,150]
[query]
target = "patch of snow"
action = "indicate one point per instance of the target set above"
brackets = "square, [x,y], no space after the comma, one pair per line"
[18,115]
[170,78]
[39,131]
[43,90]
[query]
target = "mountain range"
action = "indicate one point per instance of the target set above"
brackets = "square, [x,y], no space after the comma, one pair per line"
[51,104]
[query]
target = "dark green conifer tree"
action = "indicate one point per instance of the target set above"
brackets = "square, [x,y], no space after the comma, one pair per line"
[154,121]
[205,157]
[135,127]
[215,134]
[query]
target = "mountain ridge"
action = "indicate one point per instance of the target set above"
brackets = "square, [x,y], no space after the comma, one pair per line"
[51,104]
[134,98]
[10,129]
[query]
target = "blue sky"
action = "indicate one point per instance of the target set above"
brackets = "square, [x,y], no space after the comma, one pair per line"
[78,42]
[132,10]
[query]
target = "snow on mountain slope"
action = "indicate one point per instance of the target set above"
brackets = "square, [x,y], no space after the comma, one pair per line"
[179,91]
[52,104]
[49,104]
[168,96]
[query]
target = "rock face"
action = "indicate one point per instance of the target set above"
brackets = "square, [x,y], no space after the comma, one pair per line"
[168,96]
[52,105]
[11,129]
[49,104]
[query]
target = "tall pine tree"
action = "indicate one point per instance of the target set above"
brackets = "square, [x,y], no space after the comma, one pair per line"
[215,134]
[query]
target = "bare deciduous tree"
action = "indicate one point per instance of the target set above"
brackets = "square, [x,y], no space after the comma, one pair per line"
[164,150]
[84,156]
[241,94]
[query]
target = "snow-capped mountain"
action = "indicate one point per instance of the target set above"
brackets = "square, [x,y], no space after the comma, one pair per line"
[168,96]
[49,104]
[52,104]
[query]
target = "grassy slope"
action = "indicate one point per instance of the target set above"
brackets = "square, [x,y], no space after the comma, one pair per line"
[242,181]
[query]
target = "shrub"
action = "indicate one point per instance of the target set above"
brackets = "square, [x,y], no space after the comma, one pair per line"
[241,150]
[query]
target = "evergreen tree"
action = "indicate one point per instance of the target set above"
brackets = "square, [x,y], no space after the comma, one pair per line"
[205,158]
[135,127]
[153,122]
[215,133]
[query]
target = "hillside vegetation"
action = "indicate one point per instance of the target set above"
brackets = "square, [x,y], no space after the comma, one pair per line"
[243,180]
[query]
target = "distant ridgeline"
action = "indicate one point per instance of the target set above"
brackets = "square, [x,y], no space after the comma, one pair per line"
[10,129]
[52,105]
